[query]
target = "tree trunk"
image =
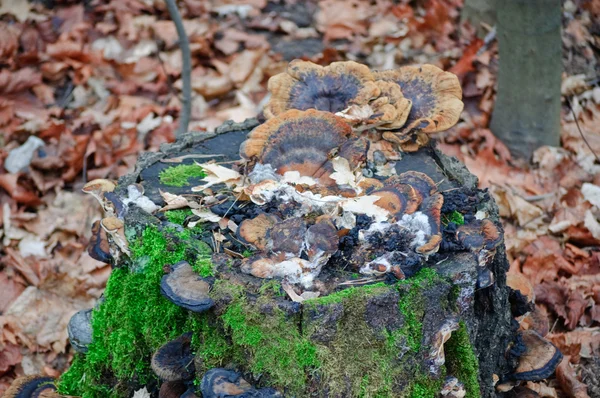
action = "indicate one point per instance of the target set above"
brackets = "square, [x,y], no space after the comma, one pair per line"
[387,339]
[527,110]
[479,12]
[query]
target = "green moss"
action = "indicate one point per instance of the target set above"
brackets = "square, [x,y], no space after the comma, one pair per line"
[268,342]
[455,217]
[425,387]
[462,362]
[134,320]
[178,176]
[273,287]
[178,216]
[356,365]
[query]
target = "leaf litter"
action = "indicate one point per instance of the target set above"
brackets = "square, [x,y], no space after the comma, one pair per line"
[93,86]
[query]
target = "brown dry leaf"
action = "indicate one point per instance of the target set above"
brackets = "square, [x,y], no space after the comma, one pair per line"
[568,381]
[10,355]
[544,259]
[341,19]
[583,343]
[10,289]
[22,79]
[39,318]
[72,212]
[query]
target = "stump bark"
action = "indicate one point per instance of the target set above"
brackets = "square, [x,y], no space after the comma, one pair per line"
[381,339]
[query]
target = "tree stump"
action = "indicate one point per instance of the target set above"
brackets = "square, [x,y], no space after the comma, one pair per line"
[446,326]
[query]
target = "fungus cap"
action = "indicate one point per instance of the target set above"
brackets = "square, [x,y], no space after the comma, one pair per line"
[332,88]
[255,231]
[392,108]
[398,197]
[432,208]
[98,187]
[79,330]
[99,248]
[288,236]
[419,181]
[479,235]
[436,97]
[174,360]
[186,289]
[112,224]
[223,383]
[172,389]
[30,387]
[540,359]
[518,282]
[301,141]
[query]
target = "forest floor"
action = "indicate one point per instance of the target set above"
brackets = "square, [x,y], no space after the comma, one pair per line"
[86,86]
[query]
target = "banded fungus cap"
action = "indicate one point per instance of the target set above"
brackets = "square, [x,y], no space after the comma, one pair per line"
[398,198]
[392,108]
[174,360]
[479,235]
[518,282]
[35,386]
[332,88]
[99,247]
[223,383]
[419,181]
[79,330]
[98,187]
[186,289]
[255,231]
[288,236]
[432,208]
[436,97]
[172,389]
[301,141]
[540,359]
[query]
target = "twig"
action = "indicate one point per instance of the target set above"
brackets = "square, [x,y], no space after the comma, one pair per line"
[186,69]
[581,132]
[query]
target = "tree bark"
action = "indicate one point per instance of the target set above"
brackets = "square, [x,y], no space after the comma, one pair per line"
[479,12]
[527,110]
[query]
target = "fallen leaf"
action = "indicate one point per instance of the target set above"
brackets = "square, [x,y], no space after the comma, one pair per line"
[568,381]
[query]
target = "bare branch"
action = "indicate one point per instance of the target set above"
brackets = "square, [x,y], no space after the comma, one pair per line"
[186,70]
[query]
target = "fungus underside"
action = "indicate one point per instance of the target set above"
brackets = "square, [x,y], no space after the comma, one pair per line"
[178,176]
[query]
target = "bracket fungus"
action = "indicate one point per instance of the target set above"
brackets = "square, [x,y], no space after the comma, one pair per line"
[304,142]
[99,247]
[79,330]
[35,386]
[436,97]
[223,383]
[174,360]
[332,88]
[538,359]
[185,288]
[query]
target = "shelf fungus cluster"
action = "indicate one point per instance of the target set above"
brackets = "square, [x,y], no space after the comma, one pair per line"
[404,105]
